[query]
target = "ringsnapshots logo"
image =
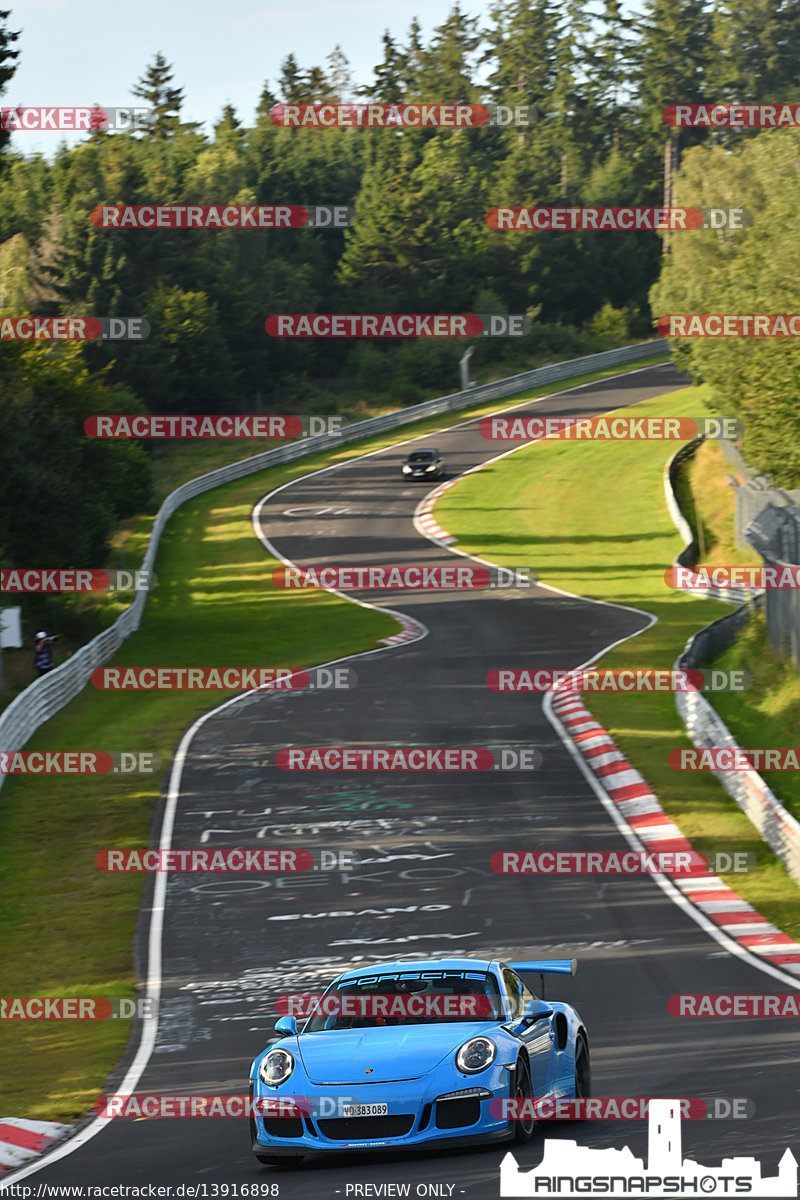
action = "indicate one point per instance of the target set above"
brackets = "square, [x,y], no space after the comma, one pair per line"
[321,115]
[76,119]
[74,329]
[225,426]
[570,1170]
[685,863]
[405,578]
[617,679]
[729,325]
[222,216]
[78,762]
[731,116]
[396,325]
[615,429]
[638,219]
[234,861]
[409,758]
[24,579]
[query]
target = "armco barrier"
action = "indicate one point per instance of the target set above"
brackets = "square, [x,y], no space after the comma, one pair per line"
[757,801]
[47,695]
[775,535]
[704,725]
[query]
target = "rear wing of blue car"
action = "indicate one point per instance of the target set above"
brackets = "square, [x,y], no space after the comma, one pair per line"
[552,966]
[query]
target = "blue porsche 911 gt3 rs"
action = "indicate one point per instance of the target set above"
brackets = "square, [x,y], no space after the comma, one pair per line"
[413,1053]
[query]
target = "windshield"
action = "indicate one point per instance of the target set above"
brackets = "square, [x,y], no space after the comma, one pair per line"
[408,998]
[422,456]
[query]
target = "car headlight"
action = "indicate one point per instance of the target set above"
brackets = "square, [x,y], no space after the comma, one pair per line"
[432,467]
[276,1067]
[406,469]
[476,1055]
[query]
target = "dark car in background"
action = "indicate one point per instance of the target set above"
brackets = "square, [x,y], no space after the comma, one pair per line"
[423,464]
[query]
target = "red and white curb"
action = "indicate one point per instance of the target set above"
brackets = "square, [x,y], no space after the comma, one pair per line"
[22,1140]
[409,633]
[639,809]
[424,521]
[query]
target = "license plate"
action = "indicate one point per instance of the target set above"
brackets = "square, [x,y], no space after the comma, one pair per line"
[365,1110]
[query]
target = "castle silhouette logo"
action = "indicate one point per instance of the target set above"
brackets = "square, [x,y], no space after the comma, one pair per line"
[568,1169]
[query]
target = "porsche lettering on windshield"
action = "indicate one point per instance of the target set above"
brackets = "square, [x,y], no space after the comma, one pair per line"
[407,998]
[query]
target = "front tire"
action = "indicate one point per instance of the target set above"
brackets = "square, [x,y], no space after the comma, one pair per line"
[523,1094]
[583,1070]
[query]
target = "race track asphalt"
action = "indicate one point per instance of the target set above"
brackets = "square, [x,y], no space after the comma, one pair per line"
[232,944]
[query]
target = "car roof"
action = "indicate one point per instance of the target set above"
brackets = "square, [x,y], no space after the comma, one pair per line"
[424,450]
[417,964]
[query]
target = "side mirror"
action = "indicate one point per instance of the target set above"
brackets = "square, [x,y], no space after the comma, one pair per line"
[537,1010]
[287,1025]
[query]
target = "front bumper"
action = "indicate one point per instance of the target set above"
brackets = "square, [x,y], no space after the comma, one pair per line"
[327,1147]
[417,1116]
